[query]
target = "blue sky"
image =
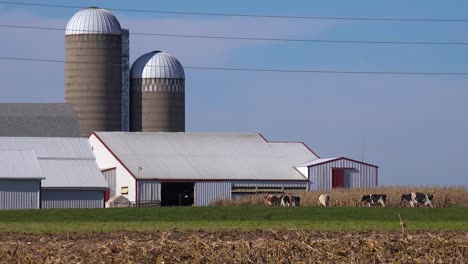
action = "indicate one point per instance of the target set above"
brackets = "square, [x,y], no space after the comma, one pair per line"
[414,127]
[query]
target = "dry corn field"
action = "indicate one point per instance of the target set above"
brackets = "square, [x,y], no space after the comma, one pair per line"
[284,246]
[443,196]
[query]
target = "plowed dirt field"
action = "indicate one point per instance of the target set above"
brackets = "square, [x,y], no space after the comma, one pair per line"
[260,246]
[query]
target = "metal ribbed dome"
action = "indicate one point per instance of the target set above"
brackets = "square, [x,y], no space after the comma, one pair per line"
[157,64]
[93,20]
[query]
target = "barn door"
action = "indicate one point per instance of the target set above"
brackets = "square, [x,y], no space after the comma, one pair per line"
[338,178]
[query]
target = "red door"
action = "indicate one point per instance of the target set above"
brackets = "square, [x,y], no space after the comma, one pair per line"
[106,195]
[338,178]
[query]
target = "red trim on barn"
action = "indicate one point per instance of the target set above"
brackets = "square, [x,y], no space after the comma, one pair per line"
[121,163]
[108,169]
[106,195]
[222,180]
[264,138]
[328,161]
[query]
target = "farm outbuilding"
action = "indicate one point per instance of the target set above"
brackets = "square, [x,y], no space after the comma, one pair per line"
[197,168]
[325,174]
[20,180]
[72,177]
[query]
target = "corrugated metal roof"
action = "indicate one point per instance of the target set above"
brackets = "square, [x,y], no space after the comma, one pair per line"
[38,120]
[19,164]
[50,147]
[93,20]
[65,162]
[157,64]
[296,151]
[234,156]
[80,174]
[315,162]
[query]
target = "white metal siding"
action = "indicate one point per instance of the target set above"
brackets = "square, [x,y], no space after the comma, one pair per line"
[110,177]
[208,192]
[361,176]
[72,198]
[149,190]
[19,194]
[105,159]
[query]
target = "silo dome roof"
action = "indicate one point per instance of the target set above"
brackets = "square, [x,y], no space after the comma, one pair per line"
[157,64]
[93,20]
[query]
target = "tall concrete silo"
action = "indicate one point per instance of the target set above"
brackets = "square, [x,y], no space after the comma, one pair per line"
[157,94]
[93,70]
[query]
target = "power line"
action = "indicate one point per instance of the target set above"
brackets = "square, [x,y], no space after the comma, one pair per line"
[262,69]
[391,19]
[255,39]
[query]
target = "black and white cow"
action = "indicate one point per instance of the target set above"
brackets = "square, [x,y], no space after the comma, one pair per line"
[416,198]
[374,199]
[295,200]
[284,200]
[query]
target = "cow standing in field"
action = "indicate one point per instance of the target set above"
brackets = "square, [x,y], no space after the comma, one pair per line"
[324,199]
[284,199]
[295,200]
[374,199]
[416,198]
[271,200]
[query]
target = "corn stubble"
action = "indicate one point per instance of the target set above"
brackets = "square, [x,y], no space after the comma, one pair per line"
[443,196]
[282,246]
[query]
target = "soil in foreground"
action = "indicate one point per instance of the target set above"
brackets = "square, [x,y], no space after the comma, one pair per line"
[273,246]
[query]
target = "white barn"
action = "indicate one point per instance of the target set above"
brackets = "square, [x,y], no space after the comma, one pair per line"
[341,172]
[197,168]
[72,176]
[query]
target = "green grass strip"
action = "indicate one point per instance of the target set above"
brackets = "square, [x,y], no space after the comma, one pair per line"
[228,218]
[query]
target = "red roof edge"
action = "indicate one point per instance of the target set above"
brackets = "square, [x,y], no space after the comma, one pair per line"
[113,154]
[264,138]
[108,169]
[361,162]
[313,152]
[357,161]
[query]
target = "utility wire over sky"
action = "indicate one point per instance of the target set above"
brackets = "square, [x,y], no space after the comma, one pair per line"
[391,19]
[260,69]
[338,41]
[237,38]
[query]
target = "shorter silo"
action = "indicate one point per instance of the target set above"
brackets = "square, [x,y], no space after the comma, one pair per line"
[157,94]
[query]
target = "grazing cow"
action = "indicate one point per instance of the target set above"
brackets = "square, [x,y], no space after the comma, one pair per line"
[416,198]
[295,200]
[374,199]
[284,200]
[271,199]
[324,199]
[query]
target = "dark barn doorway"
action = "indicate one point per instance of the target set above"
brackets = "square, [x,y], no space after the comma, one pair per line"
[338,178]
[177,193]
